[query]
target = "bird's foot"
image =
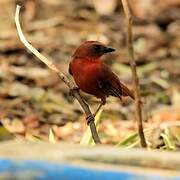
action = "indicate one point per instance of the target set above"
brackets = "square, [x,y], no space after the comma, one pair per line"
[89,118]
[75,88]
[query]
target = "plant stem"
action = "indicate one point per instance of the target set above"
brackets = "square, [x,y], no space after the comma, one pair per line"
[134,73]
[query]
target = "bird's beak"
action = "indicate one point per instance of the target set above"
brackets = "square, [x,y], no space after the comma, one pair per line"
[108,50]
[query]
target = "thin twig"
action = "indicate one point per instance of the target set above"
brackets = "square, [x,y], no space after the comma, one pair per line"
[52,66]
[134,73]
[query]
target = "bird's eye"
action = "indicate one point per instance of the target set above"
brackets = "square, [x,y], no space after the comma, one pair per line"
[97,48]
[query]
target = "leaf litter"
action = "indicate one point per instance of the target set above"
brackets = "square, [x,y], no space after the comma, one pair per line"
[36,105]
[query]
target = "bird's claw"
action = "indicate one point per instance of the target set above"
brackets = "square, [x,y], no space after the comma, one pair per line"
[89,118]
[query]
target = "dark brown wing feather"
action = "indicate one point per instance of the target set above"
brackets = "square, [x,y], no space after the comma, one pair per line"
[126,91]
[107,88]
[111,85]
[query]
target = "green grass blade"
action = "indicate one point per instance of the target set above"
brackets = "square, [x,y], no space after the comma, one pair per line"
[129,139]
[169,144]
[132,139]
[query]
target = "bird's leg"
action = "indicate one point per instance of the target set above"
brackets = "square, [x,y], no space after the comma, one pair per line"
[103,102]
[91,117]
[97,110]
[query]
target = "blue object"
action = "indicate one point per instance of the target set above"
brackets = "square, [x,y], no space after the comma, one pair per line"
[43,170]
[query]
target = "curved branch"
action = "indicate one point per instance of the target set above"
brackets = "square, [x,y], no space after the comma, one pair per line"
[53,67]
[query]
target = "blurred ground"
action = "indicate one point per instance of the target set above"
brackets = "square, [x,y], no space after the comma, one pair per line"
[33,99]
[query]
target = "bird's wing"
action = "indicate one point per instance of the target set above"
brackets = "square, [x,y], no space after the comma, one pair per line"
[108,87]
[111,85]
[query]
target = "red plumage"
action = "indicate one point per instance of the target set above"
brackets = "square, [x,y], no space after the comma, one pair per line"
[92,75]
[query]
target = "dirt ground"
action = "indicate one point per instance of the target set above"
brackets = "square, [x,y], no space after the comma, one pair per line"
[35,102]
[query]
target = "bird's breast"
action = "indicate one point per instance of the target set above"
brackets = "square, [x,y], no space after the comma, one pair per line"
[86,74]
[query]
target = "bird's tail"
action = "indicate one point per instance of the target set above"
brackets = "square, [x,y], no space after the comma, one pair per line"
[126,91]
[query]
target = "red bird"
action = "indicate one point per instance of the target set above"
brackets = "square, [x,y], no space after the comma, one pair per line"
[93,76]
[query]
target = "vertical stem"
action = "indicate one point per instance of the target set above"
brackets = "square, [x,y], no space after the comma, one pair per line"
[134,73]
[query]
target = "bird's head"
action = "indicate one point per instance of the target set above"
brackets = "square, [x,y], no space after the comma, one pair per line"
[92,49]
